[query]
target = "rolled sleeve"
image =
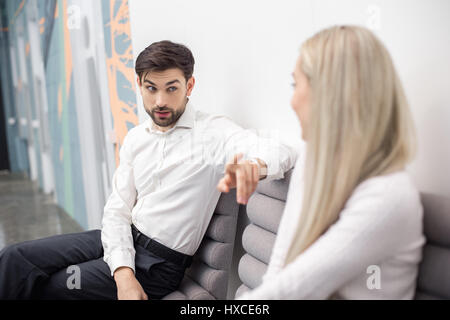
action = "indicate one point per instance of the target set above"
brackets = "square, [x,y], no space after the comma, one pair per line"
[121,258]
[278,157]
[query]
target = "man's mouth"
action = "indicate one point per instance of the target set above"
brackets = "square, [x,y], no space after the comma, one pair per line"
[162,114]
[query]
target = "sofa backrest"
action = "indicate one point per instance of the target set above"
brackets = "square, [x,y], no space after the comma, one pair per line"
[207,278]
[434,270]
[264,210]
[266,206]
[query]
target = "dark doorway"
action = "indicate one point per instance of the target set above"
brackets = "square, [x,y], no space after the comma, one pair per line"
[4,158]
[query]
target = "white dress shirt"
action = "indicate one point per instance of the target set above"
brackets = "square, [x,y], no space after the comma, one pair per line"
[166,181]
[378,236]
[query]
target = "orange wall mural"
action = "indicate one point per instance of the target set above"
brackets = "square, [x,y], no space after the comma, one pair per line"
[119,64]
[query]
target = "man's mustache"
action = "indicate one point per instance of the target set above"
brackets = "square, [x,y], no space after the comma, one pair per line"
[161,110]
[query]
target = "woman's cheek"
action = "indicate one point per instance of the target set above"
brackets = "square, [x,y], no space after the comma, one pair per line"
[294,102]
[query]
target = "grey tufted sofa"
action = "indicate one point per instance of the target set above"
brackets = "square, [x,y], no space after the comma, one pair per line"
[434,270]
[264,211]
[207,278]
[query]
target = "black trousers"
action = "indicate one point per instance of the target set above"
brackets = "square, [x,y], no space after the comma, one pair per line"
[71,266]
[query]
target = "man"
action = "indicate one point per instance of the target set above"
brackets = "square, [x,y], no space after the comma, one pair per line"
[172,170]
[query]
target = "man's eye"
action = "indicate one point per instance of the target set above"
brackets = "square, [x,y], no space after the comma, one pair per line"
[172,89]
[151,88]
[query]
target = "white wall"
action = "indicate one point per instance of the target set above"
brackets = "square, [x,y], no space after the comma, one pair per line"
[245,52]
[417,34]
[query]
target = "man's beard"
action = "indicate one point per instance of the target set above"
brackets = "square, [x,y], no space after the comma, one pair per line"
[166,121]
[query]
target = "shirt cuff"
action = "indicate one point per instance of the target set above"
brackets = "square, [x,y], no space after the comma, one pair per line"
[274,170]
[120,258]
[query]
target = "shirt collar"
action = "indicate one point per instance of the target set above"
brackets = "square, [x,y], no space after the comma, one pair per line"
[185,121]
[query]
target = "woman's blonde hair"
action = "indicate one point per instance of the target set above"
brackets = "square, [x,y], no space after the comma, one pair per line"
[359,127]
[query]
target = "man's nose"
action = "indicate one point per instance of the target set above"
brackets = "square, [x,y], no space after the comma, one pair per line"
[161,100]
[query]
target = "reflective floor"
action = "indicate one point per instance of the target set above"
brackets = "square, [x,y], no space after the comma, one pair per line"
[28,214]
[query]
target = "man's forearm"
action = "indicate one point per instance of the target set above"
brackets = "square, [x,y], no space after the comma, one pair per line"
[123,274]
[128,287]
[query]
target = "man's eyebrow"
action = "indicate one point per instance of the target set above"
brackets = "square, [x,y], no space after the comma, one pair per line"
[150,82]
[172,82]
[167,84]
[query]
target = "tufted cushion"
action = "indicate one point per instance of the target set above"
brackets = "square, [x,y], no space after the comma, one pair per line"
[258,242]
[261,203]
[434,272]
[251,270]
[207,278]
[264,210]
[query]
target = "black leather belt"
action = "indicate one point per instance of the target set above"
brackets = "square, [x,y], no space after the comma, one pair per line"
[160,250]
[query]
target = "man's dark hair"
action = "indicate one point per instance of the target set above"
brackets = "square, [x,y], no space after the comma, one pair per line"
[163,55]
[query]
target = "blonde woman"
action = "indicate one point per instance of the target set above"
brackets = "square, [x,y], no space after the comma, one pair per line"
[352,225]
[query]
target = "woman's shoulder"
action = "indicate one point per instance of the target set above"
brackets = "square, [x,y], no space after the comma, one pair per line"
[393,192]
[397,183]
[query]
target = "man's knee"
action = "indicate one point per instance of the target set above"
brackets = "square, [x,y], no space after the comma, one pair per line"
[88,280]
[12,252]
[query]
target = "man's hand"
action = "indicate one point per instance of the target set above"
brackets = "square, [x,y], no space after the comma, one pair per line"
[128,287]
[242,175]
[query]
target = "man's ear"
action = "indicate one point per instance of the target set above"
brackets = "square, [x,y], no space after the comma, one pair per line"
[190,86]
[139,83]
